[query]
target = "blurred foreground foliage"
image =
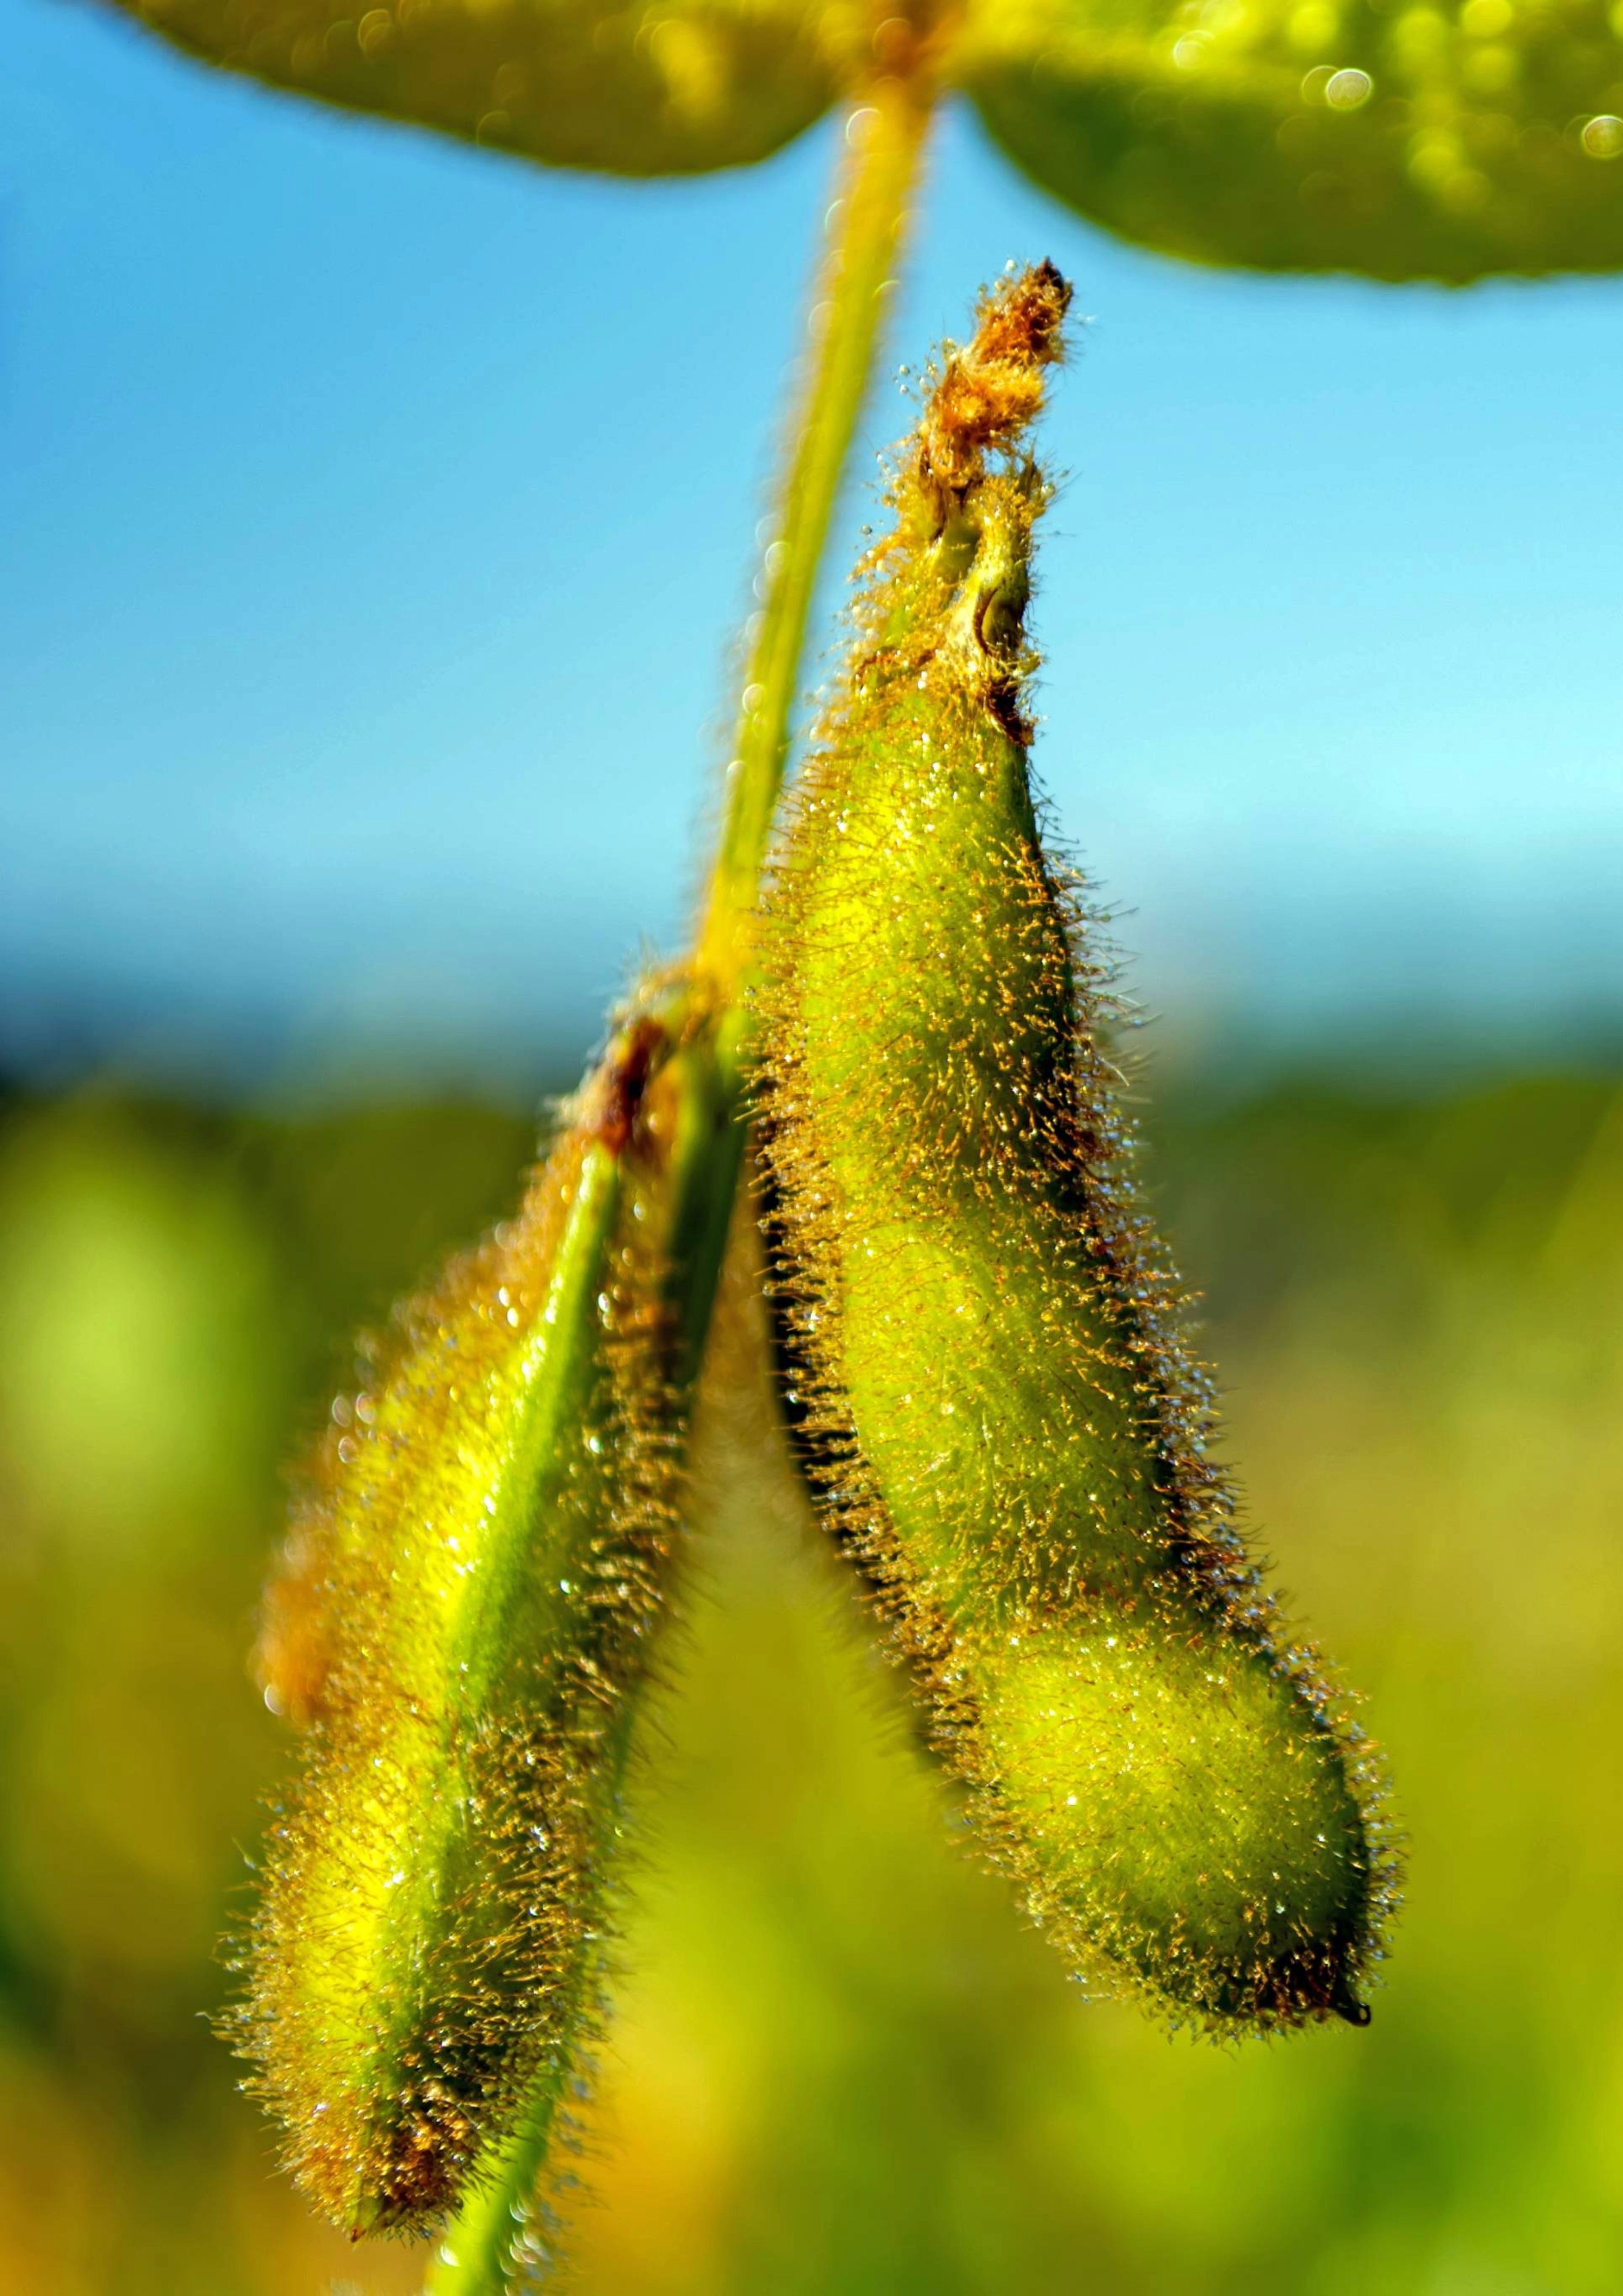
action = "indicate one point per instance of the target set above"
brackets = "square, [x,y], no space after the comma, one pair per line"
[837,2063]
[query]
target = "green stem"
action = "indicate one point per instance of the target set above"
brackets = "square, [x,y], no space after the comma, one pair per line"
[489,2246]
[492,2241]
[884,139]
[885,143]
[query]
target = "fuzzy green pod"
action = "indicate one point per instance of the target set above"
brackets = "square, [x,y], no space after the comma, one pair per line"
[475,1578]
[983,1342]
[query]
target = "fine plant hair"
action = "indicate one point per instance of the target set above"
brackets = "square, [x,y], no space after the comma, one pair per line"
[1000,1411]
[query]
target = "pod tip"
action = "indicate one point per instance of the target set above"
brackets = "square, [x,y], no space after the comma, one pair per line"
[985,392]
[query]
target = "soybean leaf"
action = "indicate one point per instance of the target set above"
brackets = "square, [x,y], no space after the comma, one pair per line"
[673,87]
[1399,140]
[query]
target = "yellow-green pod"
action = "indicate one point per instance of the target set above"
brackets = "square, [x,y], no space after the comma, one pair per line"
[983,1341]
[476,1576]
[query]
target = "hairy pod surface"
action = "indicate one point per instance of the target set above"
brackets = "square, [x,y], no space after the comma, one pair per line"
[474,1582]
[983,1343]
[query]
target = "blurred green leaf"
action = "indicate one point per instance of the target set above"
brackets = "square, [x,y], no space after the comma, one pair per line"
[1401,141]
[669,88]
[1418,142]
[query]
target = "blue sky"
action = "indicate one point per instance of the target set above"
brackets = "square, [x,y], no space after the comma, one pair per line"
[378,512]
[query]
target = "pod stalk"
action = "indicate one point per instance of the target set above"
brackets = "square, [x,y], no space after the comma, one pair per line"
[885,136]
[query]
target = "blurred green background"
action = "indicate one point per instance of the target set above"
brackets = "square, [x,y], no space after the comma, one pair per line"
[837,2063]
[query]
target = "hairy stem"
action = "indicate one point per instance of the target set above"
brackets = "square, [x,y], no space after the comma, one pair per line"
[495,2242]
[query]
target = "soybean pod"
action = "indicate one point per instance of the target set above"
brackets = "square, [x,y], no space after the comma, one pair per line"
[983,1344]
[476,1574]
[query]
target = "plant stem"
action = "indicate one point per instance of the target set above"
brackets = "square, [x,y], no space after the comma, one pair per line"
[491,2247]
[492,2241]
[884,145]
[884,139]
